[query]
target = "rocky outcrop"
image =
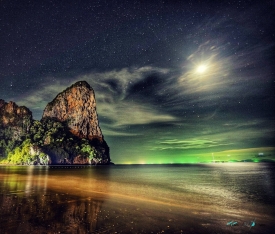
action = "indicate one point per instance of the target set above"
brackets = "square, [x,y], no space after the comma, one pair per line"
[68,132]
[77,107]
[2,103]
[39,158]
[15,121]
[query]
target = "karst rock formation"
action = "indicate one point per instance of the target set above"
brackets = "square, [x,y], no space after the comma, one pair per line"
[77,107]
[68,132]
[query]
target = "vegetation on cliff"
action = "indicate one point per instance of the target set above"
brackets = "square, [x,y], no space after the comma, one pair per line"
[15,122]
[50,142]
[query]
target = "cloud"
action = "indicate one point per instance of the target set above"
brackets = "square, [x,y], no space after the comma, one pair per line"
[39,98]
[116,132]
[127,113]
[114,106]
[214,135]
[216,75]
[194,143]
[112,94]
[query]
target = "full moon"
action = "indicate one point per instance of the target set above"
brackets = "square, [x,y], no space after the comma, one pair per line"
[201,69]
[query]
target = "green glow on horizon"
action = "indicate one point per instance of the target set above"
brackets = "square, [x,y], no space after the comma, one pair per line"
[192,162]
[227,156]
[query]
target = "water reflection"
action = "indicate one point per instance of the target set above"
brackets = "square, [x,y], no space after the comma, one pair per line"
[50,200]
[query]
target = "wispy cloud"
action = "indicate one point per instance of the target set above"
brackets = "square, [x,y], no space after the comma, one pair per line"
[39,98]
[111,90]
[194,143]
[216,73]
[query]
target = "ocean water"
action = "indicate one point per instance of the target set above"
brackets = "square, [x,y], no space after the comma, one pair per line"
[190,198]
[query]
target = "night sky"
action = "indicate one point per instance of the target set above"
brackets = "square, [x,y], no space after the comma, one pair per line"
[175,81]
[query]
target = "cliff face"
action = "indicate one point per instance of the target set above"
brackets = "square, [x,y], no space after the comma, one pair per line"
[15,121]
[77,107]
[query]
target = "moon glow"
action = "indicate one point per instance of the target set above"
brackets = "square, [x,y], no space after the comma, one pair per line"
[201,68]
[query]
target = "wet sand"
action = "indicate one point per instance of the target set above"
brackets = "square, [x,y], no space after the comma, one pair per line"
[63,213]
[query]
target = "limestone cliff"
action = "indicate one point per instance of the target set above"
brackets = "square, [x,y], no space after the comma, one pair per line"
[17,118]
[77,107]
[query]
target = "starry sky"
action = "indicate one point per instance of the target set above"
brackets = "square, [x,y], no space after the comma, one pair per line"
[175,81]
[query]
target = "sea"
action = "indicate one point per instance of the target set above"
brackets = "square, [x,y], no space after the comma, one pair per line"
[183,198]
